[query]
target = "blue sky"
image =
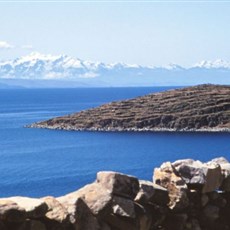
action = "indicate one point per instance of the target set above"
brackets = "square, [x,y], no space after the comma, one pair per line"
[146,33]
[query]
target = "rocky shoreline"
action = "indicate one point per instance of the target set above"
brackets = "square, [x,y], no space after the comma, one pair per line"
[184,195]
[120,129]
[203,108]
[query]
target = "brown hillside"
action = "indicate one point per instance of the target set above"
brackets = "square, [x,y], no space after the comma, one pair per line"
[197,108]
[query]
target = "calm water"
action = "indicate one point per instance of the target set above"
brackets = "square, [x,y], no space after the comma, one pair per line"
[38,162]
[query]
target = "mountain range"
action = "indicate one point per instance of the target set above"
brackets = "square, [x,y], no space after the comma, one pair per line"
[39,70]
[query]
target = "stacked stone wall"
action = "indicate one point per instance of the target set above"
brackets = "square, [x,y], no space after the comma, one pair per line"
[184,195]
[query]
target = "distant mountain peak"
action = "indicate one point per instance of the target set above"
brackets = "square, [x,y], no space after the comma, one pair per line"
[218,63]
[172,66]
[34,56]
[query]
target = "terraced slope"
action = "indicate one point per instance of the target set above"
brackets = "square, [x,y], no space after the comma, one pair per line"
[198,108]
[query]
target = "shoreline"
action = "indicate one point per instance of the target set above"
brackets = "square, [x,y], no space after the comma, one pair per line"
[120,129]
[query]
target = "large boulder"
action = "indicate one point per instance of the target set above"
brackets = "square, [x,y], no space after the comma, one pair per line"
[80,215]
[85,220]
[11,211]
[34,208]
[190,171]
[205,177]
[57,212]
[152,193]
[213,177]
[118,183]
[97,198]
[166,177]
[225,170]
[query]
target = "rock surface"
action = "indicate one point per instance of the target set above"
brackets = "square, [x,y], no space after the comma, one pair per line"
[198,108]
[97,198]
[119,184]
[197,175]
[186,195]
[152,193]
[10,211]
[176,186]
[56,211]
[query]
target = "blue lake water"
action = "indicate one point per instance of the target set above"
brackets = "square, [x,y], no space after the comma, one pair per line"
[39,162]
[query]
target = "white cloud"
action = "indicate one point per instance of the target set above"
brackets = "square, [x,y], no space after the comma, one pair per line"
[28,47]
[5,45]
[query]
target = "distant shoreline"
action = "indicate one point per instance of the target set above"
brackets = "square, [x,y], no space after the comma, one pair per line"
[156,130]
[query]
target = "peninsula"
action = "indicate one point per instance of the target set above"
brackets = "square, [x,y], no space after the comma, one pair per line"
[197,108]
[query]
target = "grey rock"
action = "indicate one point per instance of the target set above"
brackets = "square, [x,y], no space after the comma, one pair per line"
[152,193]
[118,183]
[190,171]
[123,207]
[205,177]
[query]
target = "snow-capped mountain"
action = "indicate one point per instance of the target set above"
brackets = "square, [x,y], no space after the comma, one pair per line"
[217,64]
[36,66]
[40,66]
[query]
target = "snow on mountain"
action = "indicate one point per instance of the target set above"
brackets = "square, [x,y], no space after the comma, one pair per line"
[172,66]
[217,64]
[40,66]
[55,67]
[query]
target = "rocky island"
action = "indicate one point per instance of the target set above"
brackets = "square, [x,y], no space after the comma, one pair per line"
[183,195]
[198,108]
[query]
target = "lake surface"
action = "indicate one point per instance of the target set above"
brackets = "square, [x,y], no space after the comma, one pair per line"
[39,162]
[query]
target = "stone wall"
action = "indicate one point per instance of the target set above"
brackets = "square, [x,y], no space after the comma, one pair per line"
[184,195]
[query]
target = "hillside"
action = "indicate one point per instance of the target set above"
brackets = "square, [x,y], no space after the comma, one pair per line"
[197,108]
